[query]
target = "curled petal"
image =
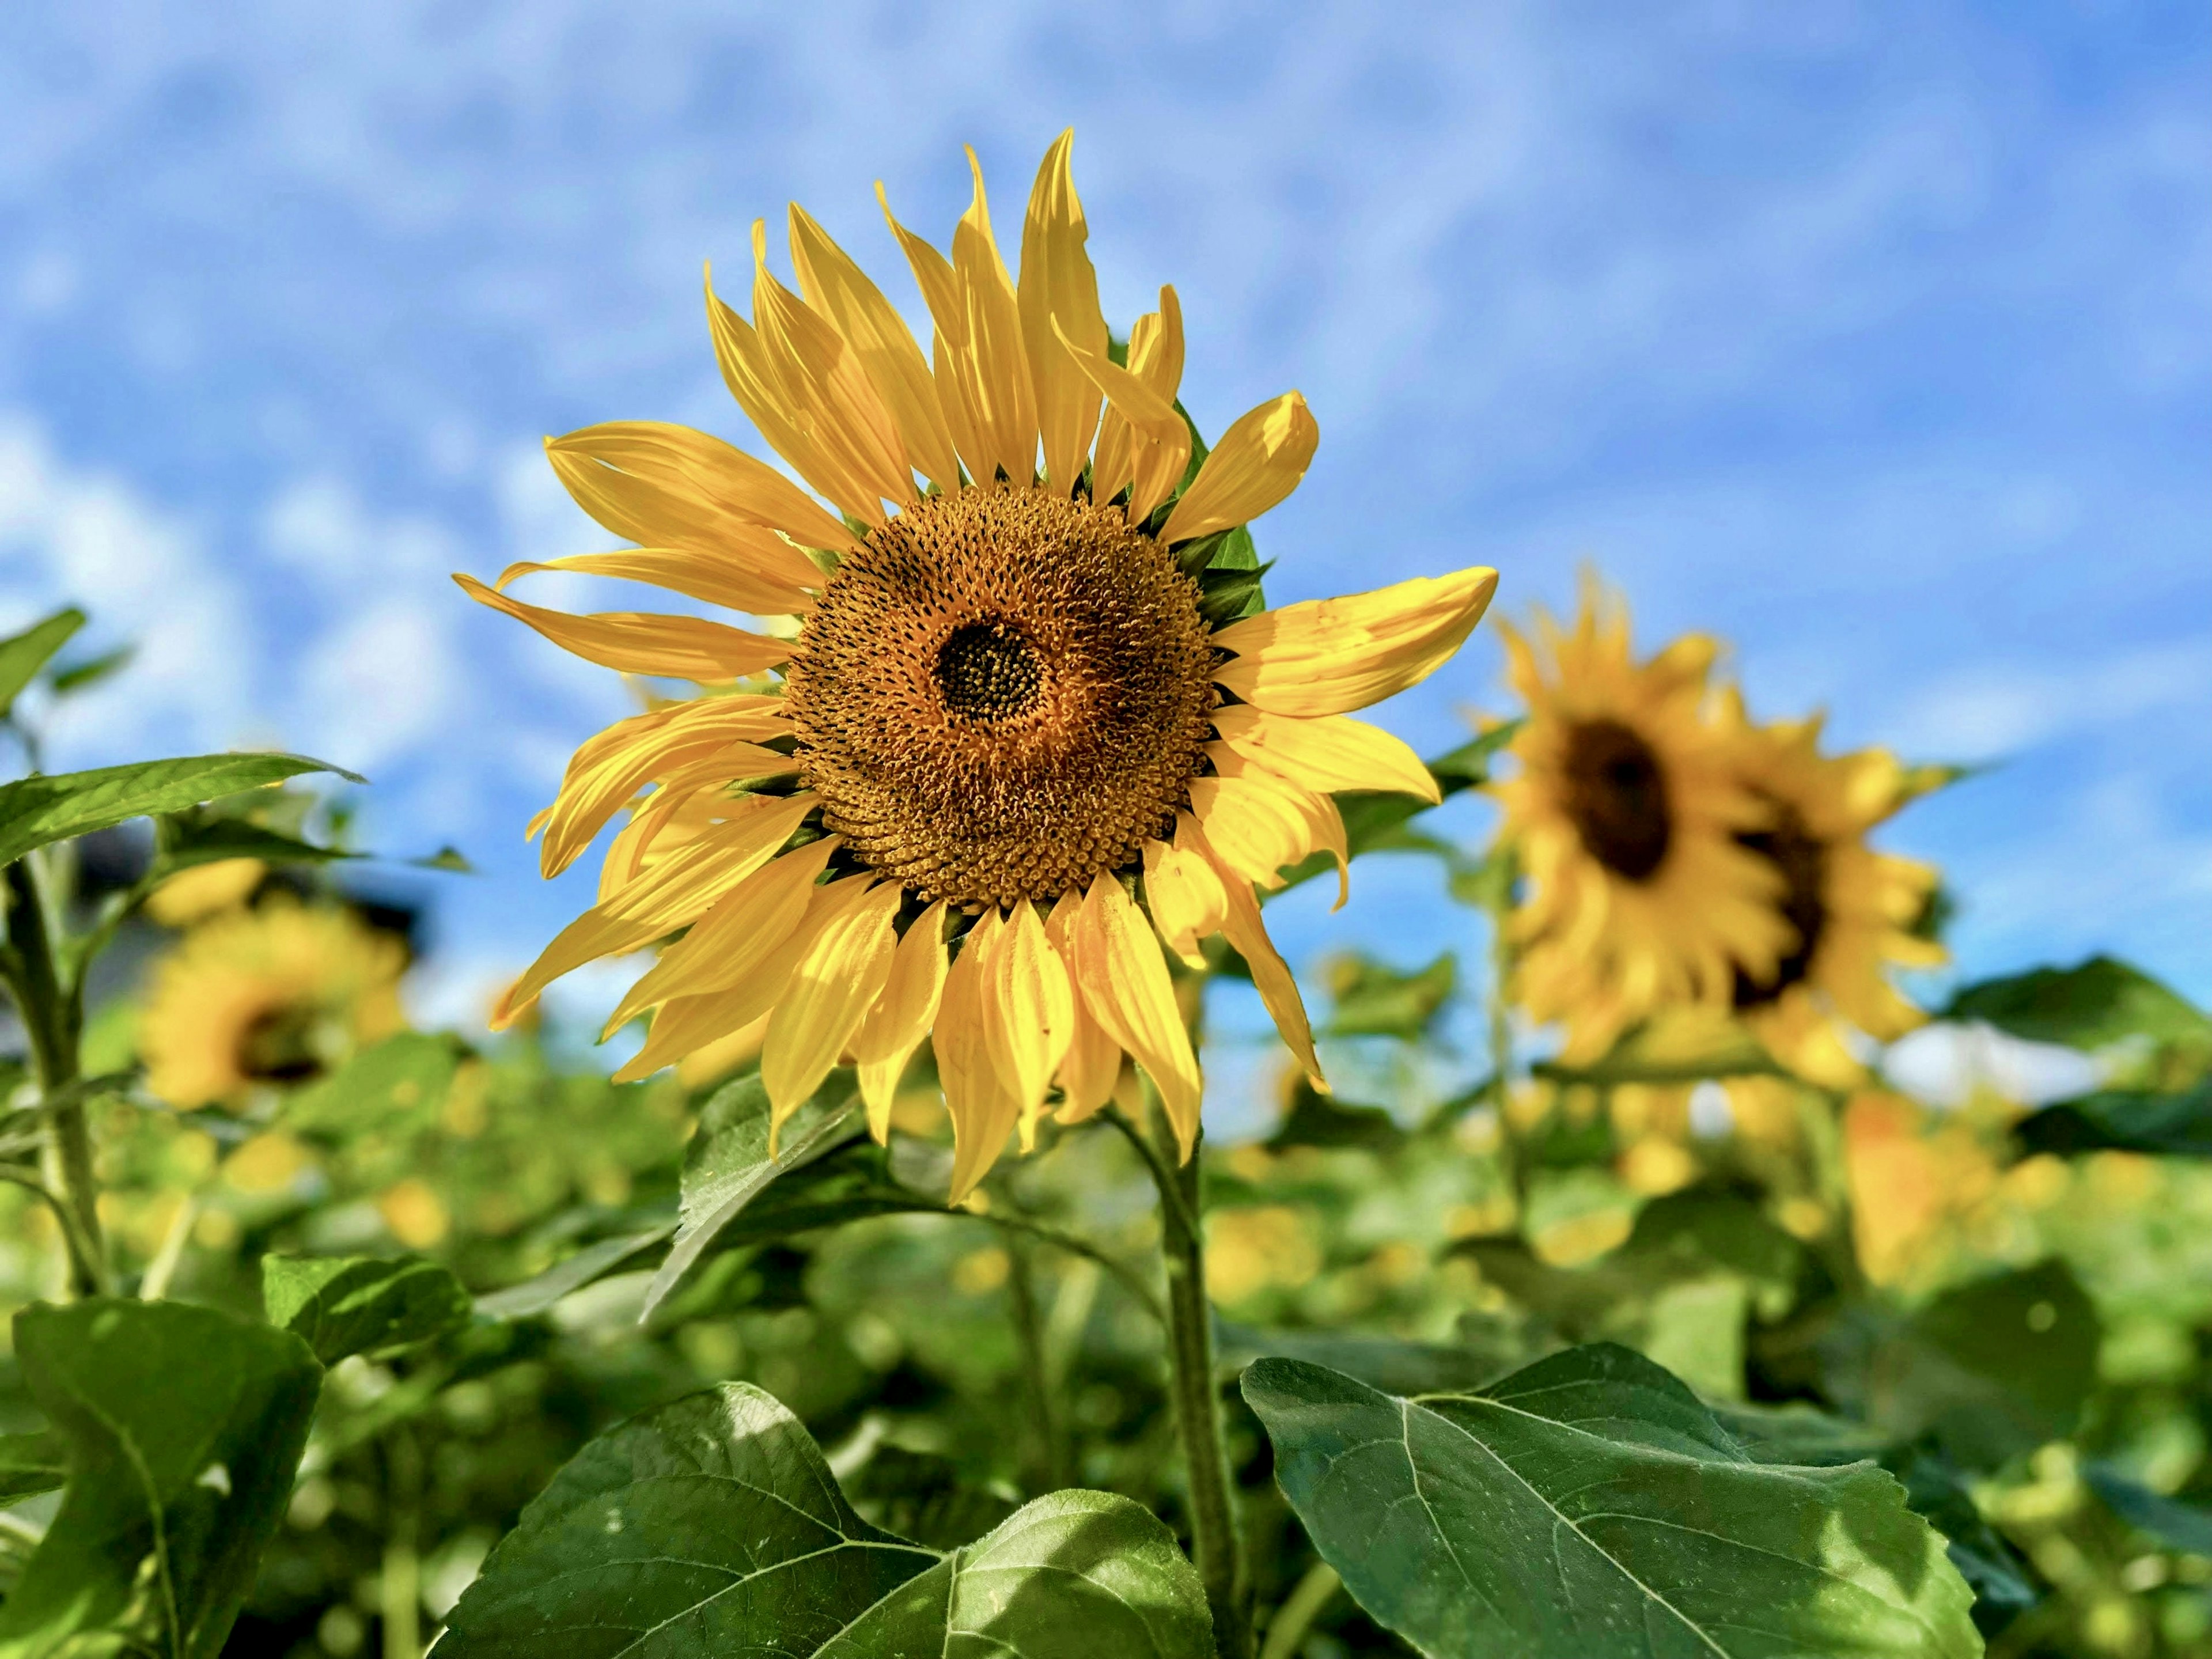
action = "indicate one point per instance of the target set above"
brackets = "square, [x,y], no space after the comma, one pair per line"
[1059,299]
[661,647]
[1185,899]
[1092,1067]
[1027,1009]
[1328,656]
[1329,754]
[1123,980]
[1248,936]
[831,989]
[983,1105]
[712,577]
[901,1018]
[1258,462]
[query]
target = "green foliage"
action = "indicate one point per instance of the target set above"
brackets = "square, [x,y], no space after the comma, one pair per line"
[1589,1506]
[207,833]
[44,808]
[30,1463]
[1373,999]
[343,1305]
[22,655]
[714,1526]
[183,1427]
[2178,1124]
[2092,1005]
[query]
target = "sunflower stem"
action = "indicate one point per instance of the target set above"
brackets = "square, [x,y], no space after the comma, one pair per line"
[1028,1330]
[1214,1539]
[51,1012]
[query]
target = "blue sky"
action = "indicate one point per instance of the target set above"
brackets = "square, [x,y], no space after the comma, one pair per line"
[1876,338]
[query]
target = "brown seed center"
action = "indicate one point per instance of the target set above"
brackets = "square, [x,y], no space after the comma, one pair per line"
[1616,794]
[1802,860]
[986,670]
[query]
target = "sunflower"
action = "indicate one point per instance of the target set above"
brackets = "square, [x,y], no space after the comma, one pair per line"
[1850,910]
[273,996]
[1626,813]
[1019,728]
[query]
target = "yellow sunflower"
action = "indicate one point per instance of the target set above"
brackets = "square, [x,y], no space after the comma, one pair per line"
[1851,909]
[275,996]
[1626,813]
[1006,731]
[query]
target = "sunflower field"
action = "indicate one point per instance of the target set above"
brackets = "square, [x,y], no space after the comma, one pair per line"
[1605,1287]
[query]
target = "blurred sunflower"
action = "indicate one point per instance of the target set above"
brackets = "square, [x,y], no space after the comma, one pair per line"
[276,996]
[1002,701]
[1850,910]
[1628,815]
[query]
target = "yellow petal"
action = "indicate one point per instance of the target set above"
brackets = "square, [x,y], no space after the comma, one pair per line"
[670,486]
[754,369]
[1185,899]
[837,288]
[1316,823]
[1248,936]
[1256,831]
[732,939]
[830,991]
[1328,754]
[902,1017]
[982,1106]
[712,577]
[1327,656]
[1150,442]
[1092,1065]
[1123,980]
[1258,462]
[824,382]
[1027,1010]
[1060,298]
[664,898]
[661,647]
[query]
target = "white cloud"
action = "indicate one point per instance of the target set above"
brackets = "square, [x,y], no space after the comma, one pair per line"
[1998,709]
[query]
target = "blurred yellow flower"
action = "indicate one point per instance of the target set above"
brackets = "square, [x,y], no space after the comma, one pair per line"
[275,995]
[1002,698]
[1626,811]
[200,891]
[1266,1246]
[1912,1181]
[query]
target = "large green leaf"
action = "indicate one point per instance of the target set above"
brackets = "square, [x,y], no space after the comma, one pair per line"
[728,1165]
[2177,1525]
[1382,1362]
[30,1463]
[1589,1507]
[2098,1003]
[1077,1575]
[2124,1119]
[713,1527]
[533,1296]
[50,807]
[342,1305]
[202,836]
[22,655]
[184,1427]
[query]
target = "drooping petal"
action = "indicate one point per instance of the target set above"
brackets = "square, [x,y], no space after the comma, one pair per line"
[1123,980]
[1328,656]
[665,897]
[726,944]
[661,485]
[837,288]
[1059,298]
[1258,462]
[831,990]
[1092,1065]
[1316,824]
[902,1017]
[1257,831]
[1185,899]
[688,570]
[1248,936]
[982,1105]
[1328,754]
[825,385]
[1027,1010]
[630,642]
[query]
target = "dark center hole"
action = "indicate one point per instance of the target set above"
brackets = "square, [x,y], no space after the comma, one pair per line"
[1803,861]
[1617,796]
[279,1047]
[986,670]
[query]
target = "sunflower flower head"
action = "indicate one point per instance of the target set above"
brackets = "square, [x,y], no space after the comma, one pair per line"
[270,997]
[1626,809]
[1028,746]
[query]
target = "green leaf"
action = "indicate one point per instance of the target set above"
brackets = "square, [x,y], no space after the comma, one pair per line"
[534,1296]
[2178,1526]
[1381,1362]
[1317,1120]
[91,671]
[2124,1119]
[1371,999]
[1077,1575]
[184,1426]
[713,1527]
[2003,1584]
[22,655]
[50,807]
[728,1164]
[710,1527]
[921,1496]
[2098,1003]
[1589,1507]
[30,1463]
[448,859]
[398,1085]
[201,837]
[341,1305]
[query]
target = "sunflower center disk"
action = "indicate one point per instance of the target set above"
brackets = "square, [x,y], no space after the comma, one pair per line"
[1616,794]
[1803,860]
[1002,694]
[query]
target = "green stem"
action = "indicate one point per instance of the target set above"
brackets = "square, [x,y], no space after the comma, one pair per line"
[1028,1330]
[52,1014]
[1306,1602]
[1214,1539]
[399,1585]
